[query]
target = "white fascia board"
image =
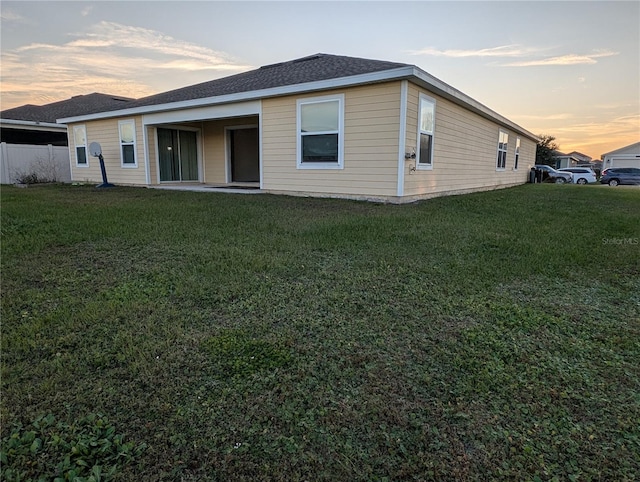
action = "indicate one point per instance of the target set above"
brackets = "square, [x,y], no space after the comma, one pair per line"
[399,73]
[454,95]
[204,113]
[34,125]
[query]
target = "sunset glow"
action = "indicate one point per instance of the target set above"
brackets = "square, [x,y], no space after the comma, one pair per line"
[547,66]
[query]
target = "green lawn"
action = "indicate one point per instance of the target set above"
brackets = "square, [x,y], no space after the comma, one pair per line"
[201,336]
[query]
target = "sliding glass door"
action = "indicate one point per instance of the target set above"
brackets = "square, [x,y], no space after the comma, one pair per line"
[178,155]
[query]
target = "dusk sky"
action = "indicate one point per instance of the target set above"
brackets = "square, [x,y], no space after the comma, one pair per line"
[567,69]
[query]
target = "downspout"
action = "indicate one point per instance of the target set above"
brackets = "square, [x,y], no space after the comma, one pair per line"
[402,136]
[260,160]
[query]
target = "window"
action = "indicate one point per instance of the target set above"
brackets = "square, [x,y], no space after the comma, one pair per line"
[320,132]
[127,130]
[517,158]
[426,126]
[503,142]
[80,141]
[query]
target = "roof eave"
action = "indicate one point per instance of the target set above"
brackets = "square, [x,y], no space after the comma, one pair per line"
[460,98]
[35,125]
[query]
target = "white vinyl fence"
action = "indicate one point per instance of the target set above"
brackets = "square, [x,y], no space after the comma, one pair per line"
[46,163]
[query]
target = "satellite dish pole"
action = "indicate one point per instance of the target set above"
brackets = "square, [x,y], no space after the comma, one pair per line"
[96,151]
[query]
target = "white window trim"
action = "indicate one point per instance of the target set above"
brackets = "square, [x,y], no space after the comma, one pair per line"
[424,166]
[320,165]
[516,156]
[506,151]
[134,143]
[75,146]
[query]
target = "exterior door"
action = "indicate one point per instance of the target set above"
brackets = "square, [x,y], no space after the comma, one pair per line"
[178,155]
[245,158]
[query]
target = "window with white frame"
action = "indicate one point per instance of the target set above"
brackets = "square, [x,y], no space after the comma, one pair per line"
[426,127]
[80,141]
[517,156]
[503,143]
[321,132]
[127,130]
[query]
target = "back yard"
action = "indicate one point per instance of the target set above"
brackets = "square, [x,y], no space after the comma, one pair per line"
[153,335]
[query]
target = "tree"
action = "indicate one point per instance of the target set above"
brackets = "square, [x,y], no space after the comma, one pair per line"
[546,150]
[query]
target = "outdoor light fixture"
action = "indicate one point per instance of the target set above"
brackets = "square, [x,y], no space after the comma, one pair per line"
[411,155]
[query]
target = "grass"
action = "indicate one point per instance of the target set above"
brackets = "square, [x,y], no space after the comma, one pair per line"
[492,336]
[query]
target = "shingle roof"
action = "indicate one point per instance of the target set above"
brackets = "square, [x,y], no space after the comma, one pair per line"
[307,69]
[76,106]
[307,74]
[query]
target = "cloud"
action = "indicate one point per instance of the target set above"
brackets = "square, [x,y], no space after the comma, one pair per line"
[110,58]
[516,50]
[594,138]
[548,117]
[621,125]
[501,51]
[10,16]
[568,59]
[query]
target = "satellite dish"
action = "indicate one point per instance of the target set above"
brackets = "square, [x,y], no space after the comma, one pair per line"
[95,149]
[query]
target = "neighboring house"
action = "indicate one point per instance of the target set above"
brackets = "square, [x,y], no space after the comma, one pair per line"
[322,125]
[34,143]
[628,156]
[583,159]
[564,160]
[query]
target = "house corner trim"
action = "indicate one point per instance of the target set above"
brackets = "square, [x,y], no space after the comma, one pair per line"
[402,136]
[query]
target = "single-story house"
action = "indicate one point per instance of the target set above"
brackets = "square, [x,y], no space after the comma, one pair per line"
[33,142]
[322,125]
[582,158]
[628,156]
[564,160]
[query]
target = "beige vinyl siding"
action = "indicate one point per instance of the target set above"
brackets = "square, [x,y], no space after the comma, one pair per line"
[215,146]
[371,126]
[465,151]
[527,156]
[106,133]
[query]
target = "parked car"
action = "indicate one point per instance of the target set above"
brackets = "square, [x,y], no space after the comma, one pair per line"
[620,175]
[581,175]
[544,173]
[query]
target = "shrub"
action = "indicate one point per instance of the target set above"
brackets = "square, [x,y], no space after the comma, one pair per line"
[28,178]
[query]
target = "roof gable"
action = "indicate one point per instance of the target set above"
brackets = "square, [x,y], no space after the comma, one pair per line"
[630,149]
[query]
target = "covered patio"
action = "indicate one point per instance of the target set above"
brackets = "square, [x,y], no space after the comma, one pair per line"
[213,147]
